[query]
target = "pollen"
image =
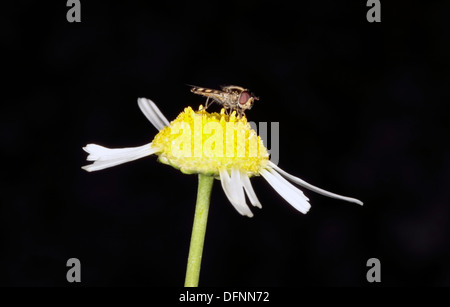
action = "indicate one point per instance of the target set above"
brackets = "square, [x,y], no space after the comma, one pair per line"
[202,142]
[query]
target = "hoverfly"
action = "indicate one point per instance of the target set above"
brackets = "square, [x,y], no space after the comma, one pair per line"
[231,97]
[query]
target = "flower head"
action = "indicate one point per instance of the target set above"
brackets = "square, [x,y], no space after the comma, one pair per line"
[219,145]
[202,142]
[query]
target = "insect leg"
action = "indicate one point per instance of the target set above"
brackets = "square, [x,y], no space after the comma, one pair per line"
[207,103]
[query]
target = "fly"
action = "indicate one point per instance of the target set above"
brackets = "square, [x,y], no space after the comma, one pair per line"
[230,97]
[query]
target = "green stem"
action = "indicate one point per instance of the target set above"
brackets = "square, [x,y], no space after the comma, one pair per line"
[194,263]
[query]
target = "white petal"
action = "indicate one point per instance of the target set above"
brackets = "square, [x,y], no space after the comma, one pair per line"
[226,186]
[108,157]
[313,188]
[239,190]
[233,191]
[289,193]
[152,113]
[287,184]
[97,152]
[249,190]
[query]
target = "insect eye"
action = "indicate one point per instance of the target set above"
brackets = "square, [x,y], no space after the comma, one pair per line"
[245,96]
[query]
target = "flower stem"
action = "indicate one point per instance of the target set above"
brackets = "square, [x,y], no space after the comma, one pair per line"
[205,184]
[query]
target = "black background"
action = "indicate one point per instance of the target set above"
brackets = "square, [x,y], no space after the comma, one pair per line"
[362,109]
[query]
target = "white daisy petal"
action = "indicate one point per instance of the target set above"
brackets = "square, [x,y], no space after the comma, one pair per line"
[99,165]
[313,188]
[152,113]
[239,190]
[233,192]
[249,190]
[108,157]
[290,195]
[287,184]
[226,186]
[97,152]
[159,113]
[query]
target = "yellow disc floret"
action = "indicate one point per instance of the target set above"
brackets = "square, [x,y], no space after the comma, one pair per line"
[202,142]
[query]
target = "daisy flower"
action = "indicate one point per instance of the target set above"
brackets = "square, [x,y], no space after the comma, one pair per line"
[218,145]
[214,146]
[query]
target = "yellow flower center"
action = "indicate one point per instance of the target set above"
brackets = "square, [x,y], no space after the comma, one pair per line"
[202,142]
